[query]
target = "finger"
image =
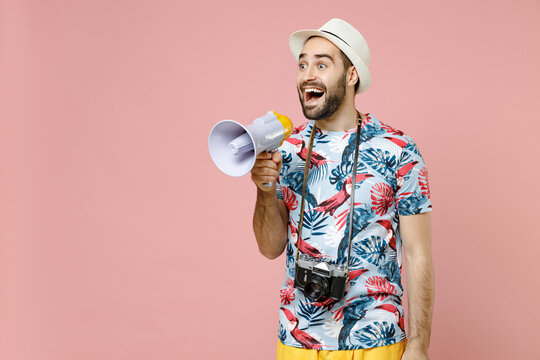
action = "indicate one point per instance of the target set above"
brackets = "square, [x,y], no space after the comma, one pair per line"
[264,155]
[276,157]
[265,164]
[263,171]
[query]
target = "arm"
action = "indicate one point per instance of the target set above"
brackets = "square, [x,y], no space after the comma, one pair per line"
[270,224]
[416,236]
[271,216]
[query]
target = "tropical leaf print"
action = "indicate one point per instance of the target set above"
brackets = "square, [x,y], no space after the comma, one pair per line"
[314,315]
[286,161]
[297,166]
[282,333]
[355,262]
[390,270]
[321,136]
[361,218]
[317,174]
[290,249]
[382,198]
[405,159]
[376,334]
[347,156]
[410,203]
[411,146]
[348,152]
[371,129]
[287,294]
[390,253]
[295,180]
[291,270]
[344,171]
[372,249]
[290,259]
[424,183]
[379,287]
[339,174]
[290,198]
[390,130]
[291,180]
[314,221]
[381,161]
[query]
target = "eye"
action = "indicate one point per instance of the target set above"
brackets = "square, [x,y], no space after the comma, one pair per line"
[321,65]
[301,66]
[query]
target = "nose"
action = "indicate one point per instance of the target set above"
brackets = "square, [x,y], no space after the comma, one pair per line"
[309,74]
[312,72]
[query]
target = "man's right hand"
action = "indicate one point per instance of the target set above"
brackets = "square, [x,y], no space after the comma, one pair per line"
[266,170]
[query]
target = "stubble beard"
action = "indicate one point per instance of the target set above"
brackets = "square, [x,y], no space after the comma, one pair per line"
[332,102]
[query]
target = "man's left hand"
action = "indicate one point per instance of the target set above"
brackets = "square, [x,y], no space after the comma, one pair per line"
[414,351]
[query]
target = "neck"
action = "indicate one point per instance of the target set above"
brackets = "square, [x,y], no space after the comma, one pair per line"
[343,119]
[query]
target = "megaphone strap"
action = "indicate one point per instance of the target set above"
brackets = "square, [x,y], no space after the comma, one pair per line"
[304,185]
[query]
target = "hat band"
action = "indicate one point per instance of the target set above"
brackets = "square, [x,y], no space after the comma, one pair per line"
[335,36]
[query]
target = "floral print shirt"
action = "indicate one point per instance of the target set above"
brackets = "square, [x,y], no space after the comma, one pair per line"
[391,180]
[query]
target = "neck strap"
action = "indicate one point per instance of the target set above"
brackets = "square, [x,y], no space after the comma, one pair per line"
[307,165]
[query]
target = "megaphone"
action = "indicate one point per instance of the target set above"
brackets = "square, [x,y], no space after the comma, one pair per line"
[234,147]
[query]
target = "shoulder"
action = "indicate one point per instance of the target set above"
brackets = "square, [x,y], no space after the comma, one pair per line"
[388,135]
[403,145]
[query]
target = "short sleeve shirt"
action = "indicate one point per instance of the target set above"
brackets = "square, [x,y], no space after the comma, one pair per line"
[391,180]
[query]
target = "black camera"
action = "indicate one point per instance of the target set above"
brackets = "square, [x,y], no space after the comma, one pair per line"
[319,279]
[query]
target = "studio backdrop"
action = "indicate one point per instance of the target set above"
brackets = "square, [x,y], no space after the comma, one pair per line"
[120,238]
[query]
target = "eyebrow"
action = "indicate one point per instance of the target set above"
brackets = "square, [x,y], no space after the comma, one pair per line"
[317,56]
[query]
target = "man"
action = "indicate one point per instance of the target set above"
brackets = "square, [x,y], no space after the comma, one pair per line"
[391,207]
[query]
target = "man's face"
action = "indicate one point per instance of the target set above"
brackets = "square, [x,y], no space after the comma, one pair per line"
[321,79]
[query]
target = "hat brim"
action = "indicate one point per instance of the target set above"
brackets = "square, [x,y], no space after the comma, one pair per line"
[296,44]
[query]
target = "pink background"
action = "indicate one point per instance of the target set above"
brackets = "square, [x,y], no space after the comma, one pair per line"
[120,239]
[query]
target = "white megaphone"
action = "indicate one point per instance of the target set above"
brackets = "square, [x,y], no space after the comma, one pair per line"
[234,147]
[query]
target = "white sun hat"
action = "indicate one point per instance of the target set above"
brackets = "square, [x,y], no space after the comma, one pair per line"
[347,39]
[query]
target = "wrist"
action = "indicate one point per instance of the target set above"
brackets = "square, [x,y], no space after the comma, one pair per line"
[267,196]
[417,343]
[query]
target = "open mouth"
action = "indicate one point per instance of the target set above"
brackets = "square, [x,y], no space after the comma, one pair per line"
[313,95]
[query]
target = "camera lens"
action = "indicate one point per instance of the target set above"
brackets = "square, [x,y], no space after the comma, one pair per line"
[316,288]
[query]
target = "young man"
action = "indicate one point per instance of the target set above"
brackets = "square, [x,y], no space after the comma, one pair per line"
[391,207]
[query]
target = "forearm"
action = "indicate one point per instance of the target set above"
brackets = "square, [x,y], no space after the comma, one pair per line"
[420,294]
[268,225]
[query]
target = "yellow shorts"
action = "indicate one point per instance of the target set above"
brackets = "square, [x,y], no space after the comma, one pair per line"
[387,352]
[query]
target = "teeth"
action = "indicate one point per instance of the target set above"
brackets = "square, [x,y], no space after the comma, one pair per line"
[314,90]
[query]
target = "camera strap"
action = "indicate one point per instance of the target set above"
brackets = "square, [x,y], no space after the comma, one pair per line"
[353,184]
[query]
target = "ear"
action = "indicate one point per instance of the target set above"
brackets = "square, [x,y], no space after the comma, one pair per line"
[352,76]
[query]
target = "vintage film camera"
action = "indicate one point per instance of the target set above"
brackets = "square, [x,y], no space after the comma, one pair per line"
[319,279]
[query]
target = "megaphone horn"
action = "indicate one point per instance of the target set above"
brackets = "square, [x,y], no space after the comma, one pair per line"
[234,147]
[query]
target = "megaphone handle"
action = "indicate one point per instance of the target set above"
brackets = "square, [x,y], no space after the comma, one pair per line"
[269,184]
